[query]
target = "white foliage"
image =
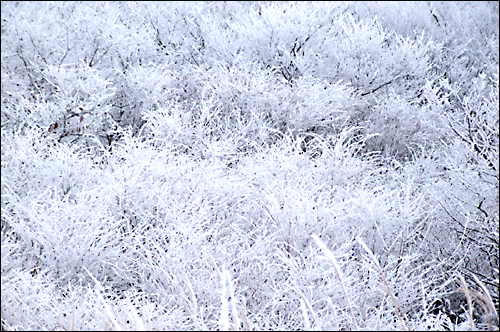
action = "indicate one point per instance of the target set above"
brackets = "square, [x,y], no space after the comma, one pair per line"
[183,165]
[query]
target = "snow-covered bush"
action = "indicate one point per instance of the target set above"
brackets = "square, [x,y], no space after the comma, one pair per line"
[249,165]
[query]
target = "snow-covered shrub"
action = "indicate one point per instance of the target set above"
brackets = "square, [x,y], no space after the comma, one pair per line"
[470,197]
[277,165]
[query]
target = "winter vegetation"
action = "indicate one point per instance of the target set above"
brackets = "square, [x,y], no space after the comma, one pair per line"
[250,165]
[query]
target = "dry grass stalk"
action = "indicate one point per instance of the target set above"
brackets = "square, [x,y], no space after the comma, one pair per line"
[224,316]
[481,298]
[308,306]
[330,256]
[405,323]
[194,302]
[486,298]
[306,317]
[234,310]
[334,312]
[110,313]
[213,264]
[466,291]
[243,317]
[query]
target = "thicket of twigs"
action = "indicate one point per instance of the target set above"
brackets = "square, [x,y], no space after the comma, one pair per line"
[253,165]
